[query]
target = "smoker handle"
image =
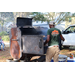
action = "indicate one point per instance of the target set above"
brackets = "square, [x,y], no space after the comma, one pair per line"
[40,43]
[15,39]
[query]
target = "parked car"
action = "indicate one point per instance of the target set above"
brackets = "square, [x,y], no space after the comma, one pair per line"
[69,35]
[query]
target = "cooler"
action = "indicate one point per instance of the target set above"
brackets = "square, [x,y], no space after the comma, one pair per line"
[70,60]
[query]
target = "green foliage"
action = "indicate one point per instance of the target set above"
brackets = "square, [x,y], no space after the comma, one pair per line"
[38,16]
[3,33]
[58,17]
[5,38]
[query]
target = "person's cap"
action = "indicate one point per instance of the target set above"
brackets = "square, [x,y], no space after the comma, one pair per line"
[51,23]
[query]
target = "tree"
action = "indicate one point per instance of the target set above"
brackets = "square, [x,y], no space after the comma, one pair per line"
[58,17]
[50,16]
[20,14]
[6,17]
[2,19]
[38,16]
[63,16]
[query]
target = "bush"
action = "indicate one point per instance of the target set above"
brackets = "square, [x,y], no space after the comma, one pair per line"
[3,33]
[5,38]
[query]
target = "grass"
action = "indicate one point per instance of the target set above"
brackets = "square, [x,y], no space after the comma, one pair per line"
[3,57]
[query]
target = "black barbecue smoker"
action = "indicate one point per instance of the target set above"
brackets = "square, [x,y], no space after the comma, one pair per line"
[25,40]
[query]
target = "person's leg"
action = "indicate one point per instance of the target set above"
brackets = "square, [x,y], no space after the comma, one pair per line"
[3,45]
[49,54]
[0,47]
[56,54]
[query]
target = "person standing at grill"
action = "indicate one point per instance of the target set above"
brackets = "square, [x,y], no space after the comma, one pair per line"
[53,35]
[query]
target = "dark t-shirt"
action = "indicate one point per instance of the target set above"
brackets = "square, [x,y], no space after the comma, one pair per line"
[54,36]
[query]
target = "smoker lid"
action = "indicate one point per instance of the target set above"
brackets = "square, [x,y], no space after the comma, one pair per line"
[21,21]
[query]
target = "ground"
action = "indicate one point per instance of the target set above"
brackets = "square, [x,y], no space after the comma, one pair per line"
[4,55]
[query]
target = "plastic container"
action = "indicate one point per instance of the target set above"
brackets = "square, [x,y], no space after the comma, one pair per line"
[70,59]
[61,58]
[71,56]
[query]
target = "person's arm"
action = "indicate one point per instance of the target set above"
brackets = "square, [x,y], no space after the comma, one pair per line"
[62,38]
[48,38]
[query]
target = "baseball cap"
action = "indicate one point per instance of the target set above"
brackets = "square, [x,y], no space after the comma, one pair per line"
[51,23]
